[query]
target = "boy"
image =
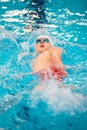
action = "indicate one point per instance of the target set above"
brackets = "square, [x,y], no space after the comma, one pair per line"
[48,63]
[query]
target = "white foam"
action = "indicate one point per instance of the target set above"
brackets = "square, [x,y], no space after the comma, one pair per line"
[8,34]
[21,55]
[59,98]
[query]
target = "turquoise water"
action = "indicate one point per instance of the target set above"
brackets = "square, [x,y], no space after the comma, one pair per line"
[52,108]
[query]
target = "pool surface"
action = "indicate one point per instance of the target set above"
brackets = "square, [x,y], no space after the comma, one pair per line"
[51,108]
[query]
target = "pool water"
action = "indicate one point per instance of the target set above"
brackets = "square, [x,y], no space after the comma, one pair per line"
[52,108]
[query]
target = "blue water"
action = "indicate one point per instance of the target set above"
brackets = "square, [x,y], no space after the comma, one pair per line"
[52,108]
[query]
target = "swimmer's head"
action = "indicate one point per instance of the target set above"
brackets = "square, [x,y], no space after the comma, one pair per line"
[42,43]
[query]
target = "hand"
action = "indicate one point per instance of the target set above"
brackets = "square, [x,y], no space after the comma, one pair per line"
[61,68]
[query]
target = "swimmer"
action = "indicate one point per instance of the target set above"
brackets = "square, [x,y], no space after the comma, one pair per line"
[48,64]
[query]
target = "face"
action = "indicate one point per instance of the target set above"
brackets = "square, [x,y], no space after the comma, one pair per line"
[42,44]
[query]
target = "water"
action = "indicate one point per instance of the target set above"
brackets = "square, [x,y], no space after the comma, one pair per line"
[55,107]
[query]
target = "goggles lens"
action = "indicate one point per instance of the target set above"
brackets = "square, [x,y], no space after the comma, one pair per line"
[44,40]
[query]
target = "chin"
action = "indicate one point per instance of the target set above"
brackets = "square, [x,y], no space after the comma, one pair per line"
[42,50]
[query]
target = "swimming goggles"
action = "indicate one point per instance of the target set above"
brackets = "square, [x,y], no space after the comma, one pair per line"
[44,40]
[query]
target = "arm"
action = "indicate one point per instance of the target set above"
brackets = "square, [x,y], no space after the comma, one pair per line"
[56,54]
[34,66]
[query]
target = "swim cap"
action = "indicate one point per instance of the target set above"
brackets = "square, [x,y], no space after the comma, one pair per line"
[44,37]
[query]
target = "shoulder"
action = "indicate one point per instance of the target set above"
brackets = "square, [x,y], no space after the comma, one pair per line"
[56,49]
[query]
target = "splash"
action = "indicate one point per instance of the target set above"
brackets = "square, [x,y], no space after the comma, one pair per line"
[59,98]
[8,34]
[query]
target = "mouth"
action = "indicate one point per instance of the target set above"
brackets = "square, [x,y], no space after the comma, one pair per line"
[41,45]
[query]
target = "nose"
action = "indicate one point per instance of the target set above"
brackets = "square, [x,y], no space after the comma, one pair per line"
[42,41]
